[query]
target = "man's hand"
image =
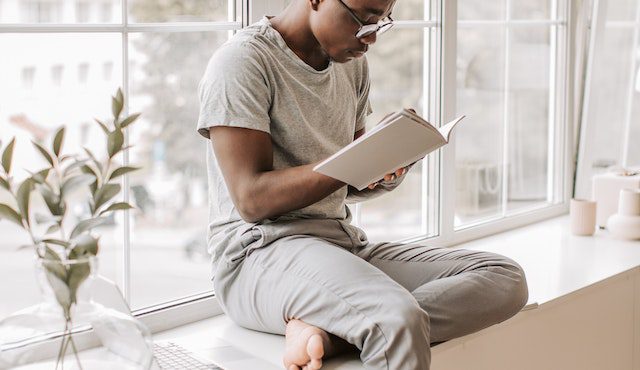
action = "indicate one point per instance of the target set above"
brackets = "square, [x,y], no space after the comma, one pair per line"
[390,176]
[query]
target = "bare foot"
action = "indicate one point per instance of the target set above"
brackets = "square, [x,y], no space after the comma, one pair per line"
[305,346]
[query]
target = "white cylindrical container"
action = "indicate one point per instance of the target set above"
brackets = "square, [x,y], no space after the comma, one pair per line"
[626,223]
[629,202]
[582,213]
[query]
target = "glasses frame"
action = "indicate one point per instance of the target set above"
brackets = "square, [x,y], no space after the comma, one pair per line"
[367,29]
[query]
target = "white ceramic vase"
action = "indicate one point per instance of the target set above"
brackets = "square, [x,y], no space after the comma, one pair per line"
[626,223]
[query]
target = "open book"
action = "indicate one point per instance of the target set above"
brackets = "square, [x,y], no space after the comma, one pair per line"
[398,140]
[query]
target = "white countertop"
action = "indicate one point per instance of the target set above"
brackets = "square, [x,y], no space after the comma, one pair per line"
[557,263]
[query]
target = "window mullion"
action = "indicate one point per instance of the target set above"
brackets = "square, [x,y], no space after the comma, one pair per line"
[126,245]
[505,122]
[448,37]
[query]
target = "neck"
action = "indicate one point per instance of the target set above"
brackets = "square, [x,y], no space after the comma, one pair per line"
[293,25]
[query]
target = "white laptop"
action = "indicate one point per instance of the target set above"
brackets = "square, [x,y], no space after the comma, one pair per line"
[186,352]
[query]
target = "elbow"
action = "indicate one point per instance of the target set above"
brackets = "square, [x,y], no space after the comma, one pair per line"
[248,209]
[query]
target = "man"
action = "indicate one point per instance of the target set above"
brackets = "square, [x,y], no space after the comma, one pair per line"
[278,98]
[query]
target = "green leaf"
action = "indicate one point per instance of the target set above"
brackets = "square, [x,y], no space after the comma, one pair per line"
[93,158]
[52,200]
[45,153]
[117,103]
[85,244]
[121,171]
[10,214]
[25,246]
[51,255]
[129,120]
[52,229]
[114,142]
[117,207]
[86,225]
[105,194]
[44,219]
[77,164]
[59,242]
[57,141]
[78,273]
[60,289]
[5,184]
[40,177]
[7,155]
[74,182]
[103,126]
[23,195]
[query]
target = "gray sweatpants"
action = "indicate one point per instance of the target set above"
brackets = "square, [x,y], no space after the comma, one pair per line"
[390,300]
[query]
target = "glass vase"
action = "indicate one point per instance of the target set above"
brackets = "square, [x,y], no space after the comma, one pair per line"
[70,329]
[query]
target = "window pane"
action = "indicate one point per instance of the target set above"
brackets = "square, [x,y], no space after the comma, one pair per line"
[410,10]
[169,258]
[479,142]
[146,11]
[621,10]
[611,76]
[528,116]
[530,9]
[396,82]
[33,108]
[61,11]
[481,10]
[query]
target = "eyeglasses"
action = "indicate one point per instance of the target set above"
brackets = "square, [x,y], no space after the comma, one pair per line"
[367,29]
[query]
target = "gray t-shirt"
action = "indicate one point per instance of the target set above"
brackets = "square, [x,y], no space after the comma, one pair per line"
[255,81]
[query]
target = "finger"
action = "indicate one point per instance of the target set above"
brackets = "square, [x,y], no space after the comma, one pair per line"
[399,171]
[387,177]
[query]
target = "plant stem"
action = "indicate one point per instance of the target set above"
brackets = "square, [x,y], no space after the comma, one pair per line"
[62,344]
[75,350]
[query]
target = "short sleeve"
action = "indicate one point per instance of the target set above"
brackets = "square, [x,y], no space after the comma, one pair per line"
[234,91]
[364,106]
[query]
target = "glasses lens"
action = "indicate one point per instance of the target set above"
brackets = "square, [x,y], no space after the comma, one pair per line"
[384,28]
[367,30]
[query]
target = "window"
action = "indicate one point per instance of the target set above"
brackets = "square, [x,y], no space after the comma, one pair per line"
[505,70]
[56,75]
[106,10]
[40,11]
[28,75]
[83,11]
[611,106]
[83,73]
[107,71]
[510,84]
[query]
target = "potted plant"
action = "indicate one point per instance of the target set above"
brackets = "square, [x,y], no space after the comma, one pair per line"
[66,250]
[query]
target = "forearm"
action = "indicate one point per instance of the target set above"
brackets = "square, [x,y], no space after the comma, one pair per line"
[276,192]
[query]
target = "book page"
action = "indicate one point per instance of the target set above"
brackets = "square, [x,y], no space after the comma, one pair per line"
[381,151]
[446,129]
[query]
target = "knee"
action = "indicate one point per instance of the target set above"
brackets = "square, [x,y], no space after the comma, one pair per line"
[515,285]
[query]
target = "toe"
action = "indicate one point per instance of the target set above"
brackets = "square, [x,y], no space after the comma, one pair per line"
[314,364]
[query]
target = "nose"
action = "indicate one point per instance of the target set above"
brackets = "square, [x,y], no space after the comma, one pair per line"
[369,39]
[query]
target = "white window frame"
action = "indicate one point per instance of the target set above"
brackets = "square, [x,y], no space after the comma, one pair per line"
[198,307]
[598,24]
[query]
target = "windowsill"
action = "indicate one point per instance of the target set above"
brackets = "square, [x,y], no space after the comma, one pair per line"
[557,265]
